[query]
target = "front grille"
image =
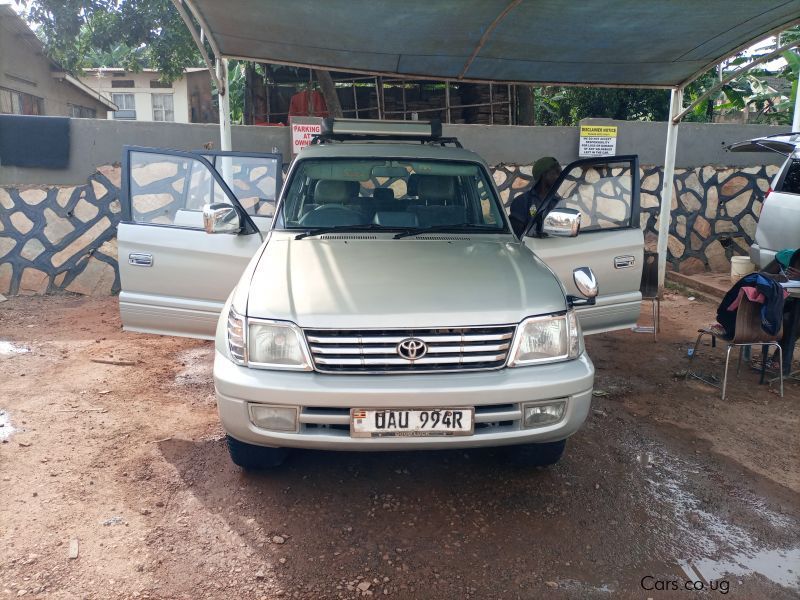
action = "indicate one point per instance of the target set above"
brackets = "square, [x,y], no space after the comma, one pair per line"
[375,351]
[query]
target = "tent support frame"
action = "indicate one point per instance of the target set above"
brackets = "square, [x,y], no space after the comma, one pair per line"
[665,212]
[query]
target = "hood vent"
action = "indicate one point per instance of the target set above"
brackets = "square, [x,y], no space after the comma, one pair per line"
[442,238]
[350,236]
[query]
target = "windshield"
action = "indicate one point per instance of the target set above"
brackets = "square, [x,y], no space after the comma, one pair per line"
[390,194]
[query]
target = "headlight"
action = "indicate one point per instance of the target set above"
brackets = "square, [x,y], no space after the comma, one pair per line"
[546,339]
[266,344]
[236,342]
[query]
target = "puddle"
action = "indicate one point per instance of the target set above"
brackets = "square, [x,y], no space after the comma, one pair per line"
[10,348]
[780,566]
[6,429]
[736,551]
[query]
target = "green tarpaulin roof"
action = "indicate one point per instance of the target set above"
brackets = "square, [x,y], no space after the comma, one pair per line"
[659,43]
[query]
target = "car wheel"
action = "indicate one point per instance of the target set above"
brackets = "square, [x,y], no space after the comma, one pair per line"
[252,458]
[540,455]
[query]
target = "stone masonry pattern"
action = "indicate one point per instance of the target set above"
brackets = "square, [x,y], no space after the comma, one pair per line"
[55,239]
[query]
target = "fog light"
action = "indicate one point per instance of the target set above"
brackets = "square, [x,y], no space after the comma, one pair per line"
[539,415]
[276,418]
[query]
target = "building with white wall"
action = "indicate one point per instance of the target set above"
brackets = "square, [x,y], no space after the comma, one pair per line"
[143,96]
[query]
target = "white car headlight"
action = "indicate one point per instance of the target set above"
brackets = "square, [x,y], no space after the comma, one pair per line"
[546,339]
[267,344]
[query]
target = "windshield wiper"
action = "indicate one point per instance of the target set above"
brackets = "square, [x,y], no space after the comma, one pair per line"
[324,230]
[457,228]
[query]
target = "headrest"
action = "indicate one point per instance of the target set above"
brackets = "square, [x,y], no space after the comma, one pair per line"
[335,191]
[395,219]
[437,188]
[383,194]
[412,185]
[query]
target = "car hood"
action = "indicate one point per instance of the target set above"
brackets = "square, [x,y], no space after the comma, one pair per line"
[406,283]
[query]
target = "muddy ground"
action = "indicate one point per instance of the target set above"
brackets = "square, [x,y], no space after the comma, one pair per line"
[666,486]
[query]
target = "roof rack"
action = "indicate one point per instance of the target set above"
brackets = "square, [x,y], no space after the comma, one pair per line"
[366,130]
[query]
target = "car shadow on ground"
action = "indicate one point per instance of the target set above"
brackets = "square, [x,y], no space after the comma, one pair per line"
[412,514]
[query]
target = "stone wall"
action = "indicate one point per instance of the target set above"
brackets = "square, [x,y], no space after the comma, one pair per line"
[55,238]
[61,238]
[714,210]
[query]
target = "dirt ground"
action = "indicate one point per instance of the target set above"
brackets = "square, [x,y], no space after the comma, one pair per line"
[665,487]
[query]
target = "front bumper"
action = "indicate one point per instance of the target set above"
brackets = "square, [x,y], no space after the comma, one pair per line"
[325,401]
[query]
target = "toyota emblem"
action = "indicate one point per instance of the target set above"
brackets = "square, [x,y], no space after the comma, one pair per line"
[412,349]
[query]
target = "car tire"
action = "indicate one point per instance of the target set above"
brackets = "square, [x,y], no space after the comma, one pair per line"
[539,455]
[255,458]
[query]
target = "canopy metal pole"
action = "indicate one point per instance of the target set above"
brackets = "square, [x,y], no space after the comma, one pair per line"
[796,119]
[224,106]
[675,105]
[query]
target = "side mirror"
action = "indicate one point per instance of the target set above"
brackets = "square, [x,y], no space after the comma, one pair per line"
[221,218]
[586,283]
[562,222]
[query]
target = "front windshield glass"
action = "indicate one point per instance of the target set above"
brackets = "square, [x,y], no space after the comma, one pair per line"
[392,194]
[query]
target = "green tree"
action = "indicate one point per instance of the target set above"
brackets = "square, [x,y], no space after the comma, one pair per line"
[140,33]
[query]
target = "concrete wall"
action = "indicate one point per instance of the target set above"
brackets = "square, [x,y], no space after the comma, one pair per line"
[699,144]
[96,143]
[24,68]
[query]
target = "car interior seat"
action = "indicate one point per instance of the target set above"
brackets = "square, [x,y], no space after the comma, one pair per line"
[437,194]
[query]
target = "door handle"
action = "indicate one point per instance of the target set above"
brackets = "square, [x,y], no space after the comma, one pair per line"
[624,262]
[140,259]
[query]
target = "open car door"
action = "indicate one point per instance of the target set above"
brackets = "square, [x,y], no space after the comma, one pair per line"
[174,276]
[606,193]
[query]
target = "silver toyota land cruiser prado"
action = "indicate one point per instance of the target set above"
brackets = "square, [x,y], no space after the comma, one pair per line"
[379,300]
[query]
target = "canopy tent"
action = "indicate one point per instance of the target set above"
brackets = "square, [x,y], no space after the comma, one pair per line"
[628,43]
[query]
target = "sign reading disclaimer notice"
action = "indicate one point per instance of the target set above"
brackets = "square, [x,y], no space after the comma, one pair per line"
[598,140]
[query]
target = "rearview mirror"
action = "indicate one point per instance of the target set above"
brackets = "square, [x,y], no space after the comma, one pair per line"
[221,218]
[562,222]
[586,283]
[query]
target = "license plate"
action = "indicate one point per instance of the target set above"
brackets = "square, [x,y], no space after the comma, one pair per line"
[411,423]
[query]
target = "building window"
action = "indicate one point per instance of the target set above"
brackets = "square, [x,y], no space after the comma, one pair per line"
[155,83]
[81,112]
[20,103]
[123,83]
[163,107]
[127,106]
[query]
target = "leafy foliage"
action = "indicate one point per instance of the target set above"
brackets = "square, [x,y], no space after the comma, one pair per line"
[568,105]
[135,33]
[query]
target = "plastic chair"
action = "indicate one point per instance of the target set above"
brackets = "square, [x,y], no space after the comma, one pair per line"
[649,290]
[748,334]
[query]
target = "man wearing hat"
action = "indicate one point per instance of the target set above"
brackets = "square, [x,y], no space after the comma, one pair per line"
[527,205]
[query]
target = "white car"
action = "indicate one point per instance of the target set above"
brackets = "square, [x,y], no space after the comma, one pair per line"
[381,301]
[779,224]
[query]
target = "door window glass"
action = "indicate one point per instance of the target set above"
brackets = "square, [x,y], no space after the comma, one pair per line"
[791,183]
[252,179]
[167,189]
[602,193]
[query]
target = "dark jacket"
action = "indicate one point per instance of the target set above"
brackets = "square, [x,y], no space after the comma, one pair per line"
[771,310]
[524,208]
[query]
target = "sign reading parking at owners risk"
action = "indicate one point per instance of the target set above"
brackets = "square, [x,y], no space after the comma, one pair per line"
[303,130]
[598,140]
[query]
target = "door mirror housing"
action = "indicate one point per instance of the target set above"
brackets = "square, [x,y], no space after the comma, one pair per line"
[586,283]
[221,218]
[562,222]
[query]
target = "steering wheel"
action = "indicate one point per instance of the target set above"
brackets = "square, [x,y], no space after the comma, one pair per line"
[331,215]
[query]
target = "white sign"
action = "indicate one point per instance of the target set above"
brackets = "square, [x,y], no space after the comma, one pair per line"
[598,140]
[303,130]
